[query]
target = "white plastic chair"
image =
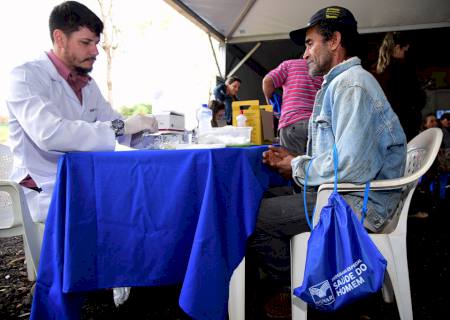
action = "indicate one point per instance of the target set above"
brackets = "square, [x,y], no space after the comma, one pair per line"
[391,241]
[15,218]
[10,224]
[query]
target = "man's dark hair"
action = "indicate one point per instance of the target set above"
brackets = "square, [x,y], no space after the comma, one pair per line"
[216,106]
[445,116]
[350,39]
[232,79]
[70,16]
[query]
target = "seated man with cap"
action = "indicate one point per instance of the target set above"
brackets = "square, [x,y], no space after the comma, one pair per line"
[351,112]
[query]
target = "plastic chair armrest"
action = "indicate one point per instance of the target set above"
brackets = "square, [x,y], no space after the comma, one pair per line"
[388,184]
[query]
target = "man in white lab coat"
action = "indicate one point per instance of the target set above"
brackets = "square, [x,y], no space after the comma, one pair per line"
[55,106]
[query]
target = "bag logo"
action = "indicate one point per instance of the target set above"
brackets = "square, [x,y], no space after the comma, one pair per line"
[319,293]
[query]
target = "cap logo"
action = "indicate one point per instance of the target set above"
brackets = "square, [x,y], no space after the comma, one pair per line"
[332,13]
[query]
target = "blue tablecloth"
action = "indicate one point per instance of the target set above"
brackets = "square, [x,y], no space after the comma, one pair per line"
[149,218]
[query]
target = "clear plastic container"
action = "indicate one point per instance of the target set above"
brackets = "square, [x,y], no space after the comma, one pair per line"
[241,119]
[227,135]
[204,117]
[158,140]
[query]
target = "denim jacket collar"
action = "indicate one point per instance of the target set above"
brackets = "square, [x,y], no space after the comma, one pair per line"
[339,68]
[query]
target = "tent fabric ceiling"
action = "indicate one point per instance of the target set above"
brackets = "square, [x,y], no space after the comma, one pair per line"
[254,20]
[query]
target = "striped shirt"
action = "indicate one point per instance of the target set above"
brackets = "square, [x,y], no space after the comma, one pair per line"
[299,90]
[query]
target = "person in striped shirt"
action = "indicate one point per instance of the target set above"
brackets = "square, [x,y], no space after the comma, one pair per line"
[299,92]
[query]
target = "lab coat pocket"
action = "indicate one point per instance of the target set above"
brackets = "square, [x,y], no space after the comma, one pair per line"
[90,114]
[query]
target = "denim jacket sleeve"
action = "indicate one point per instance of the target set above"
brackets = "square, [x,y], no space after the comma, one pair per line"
[220,92]
[353,124]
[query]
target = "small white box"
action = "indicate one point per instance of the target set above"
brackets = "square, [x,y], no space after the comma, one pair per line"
[170,121]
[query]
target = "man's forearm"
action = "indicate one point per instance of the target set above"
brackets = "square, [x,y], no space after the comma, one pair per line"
[268,88]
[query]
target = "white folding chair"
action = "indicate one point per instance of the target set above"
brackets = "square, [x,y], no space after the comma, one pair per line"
[10,223]
[15,218]
[391,241]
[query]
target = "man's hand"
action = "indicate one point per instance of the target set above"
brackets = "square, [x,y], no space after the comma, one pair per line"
[278,158]
[139,122]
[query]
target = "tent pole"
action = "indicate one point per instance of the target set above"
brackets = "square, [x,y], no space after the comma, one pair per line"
[215,55]
[247,56]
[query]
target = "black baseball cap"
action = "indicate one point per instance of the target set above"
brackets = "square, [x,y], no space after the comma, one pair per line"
[332,14]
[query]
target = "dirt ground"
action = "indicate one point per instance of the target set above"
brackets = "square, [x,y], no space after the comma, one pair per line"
[428,258]
[15,298]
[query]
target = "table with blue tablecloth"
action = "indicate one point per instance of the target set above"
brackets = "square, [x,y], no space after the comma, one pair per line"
[149,218]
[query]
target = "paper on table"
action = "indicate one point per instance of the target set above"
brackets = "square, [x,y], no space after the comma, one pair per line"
[121,147]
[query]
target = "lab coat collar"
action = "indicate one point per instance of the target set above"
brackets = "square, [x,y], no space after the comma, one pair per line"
[56,76]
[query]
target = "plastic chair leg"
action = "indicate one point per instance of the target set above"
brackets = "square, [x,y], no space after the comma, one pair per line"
[387,290]
[236,300]
[31,271]
[299,309]
[299,245]
[400,282]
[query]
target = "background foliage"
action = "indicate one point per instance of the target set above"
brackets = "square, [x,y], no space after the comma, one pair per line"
[140,108]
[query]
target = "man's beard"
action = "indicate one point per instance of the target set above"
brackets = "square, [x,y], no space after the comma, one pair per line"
[75,63]
[82,71]
[316,69]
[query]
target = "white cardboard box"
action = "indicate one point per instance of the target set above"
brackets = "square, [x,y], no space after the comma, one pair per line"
[170,121]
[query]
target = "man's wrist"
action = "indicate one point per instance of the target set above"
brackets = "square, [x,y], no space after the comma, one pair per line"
[118,126]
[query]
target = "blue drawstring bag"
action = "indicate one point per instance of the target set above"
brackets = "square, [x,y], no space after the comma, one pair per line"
[342,263]
[275,101]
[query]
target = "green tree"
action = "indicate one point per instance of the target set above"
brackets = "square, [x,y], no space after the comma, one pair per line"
[110,42]
[140,108]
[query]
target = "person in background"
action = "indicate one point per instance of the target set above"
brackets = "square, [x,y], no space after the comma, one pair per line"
[299,92]
[444,124]
[351,112]
[429,121]
[444,120]
[422,200]
[55,106]
[443,160]
[227,93]
[400,83]
[218,111]
[444,157]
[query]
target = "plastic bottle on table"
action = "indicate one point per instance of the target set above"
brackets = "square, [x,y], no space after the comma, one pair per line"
[204,117]
[241,119]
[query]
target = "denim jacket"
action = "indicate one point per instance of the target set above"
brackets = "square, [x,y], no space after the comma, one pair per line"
[220,92]
[352,111]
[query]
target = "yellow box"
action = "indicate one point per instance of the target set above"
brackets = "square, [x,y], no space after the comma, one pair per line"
[260,118]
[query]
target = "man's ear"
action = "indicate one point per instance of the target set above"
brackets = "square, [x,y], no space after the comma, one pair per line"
[335,40]
[59,38]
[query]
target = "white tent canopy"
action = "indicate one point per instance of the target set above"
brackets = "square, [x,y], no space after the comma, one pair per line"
[255,20]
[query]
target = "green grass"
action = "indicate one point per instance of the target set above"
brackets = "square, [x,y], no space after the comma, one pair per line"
[3,133]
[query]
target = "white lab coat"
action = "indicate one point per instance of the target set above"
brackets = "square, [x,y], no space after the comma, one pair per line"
[46,119]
